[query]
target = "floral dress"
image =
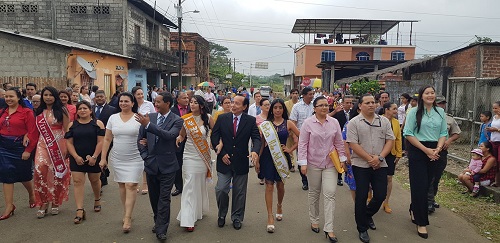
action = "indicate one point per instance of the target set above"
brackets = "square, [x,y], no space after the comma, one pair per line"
[48,187]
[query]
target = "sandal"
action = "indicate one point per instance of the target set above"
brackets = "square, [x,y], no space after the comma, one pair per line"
[97,208]
[41,212]
[54,211]
[79,219]
[270,227]
[127,226]
[279,216]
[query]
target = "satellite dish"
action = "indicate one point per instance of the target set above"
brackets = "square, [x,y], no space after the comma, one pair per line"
[85,65]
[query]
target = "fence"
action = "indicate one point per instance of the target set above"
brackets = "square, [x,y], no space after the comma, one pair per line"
[397,88]
[58,83]
[467,98]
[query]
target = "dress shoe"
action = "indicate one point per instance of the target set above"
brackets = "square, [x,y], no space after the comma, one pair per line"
[305,187]
[161,236]
[431,209]
[423,235]
[339,182]
[176,192]
[364,237]
[332,239]
[436,205]
[371,224]
[153,230]
[221,221]
[237,224]
[315,229]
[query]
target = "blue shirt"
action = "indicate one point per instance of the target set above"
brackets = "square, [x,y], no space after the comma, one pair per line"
[28,103]
[432,127]
[483,134]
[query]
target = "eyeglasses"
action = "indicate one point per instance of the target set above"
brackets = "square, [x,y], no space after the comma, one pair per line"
[373,125]
[322,106]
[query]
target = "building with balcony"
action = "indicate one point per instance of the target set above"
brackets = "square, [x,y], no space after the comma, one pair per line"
[195,58]
[130,28]
[344,48]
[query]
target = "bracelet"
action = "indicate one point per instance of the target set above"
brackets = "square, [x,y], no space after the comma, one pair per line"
[93,157]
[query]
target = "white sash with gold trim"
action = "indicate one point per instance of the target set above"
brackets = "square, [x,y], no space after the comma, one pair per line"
[200,144]
[274,145]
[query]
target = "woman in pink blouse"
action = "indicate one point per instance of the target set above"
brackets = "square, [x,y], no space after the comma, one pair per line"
[319,135]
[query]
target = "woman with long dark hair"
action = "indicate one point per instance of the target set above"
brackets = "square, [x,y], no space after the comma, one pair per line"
[195,169]
[426,131]
[84,142]
[124,158]
[16,121]
[65,99]
[278,119]
[52,175]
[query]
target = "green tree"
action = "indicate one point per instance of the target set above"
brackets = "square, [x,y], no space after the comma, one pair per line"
[361,87]
[480,39]
[219,63]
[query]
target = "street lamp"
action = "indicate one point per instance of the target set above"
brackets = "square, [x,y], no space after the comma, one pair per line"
[179,21]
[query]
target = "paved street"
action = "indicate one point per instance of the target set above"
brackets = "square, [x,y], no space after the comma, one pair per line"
[106,225]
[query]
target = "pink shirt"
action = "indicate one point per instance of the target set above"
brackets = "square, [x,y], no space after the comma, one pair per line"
[317,140]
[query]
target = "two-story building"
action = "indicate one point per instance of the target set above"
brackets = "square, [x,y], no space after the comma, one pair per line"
[344,48]
[195,58]
[130,28]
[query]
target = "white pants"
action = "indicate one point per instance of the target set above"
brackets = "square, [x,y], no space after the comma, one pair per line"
[322,180]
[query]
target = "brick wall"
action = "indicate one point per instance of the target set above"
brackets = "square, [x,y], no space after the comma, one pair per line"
[198,52]
[135,17]
[463,62]
[28,60]
[491,61]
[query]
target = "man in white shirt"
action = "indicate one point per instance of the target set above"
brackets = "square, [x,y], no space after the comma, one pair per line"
[198,91]
[210,99]
[254,109]
[300,112]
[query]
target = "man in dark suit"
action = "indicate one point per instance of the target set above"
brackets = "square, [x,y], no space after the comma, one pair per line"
[160,163]
[102,112]
[343,115]
[235,129]
[2,103]
[180,108]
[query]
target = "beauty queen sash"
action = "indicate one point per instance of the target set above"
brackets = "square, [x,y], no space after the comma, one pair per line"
[55,154]
[200,144]
[274,145]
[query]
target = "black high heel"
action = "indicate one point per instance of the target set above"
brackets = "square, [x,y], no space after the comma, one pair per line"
[315,230]
[423,235]
[79,219]
[411,216]
[332,239]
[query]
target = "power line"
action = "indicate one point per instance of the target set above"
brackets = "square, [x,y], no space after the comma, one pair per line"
[208,16]
[217,17]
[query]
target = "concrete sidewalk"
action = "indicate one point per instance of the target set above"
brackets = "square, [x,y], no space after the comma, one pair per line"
[295,227]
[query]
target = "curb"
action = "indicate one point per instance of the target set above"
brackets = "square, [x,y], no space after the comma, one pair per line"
[485,190]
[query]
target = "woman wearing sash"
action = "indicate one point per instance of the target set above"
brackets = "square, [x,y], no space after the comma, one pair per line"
[274,168]
[197,161]
[124,158]
[320,134]
[84,141]
[143,107]
[52,175]
[16,121]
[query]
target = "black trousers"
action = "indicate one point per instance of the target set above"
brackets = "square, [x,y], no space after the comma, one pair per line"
[436,177]
[365,177]
[422,171]
[159,187]
[179,183]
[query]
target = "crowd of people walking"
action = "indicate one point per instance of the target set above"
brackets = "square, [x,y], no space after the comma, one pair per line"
[51,136]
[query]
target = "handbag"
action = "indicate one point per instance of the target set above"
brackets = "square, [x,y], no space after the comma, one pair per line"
[334,156]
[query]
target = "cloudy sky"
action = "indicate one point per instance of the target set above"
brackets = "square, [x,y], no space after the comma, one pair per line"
[260,30]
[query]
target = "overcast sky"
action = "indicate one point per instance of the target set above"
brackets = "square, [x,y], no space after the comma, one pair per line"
[260,30]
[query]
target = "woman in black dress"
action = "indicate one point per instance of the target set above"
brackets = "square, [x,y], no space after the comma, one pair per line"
[84,143]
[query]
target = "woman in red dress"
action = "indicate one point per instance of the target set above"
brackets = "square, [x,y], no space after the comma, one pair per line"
[64,96]
[51,168]
[16,121]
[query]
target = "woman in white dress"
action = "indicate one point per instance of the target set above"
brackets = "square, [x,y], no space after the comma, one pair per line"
[194,199]
[125,159]
[143,107]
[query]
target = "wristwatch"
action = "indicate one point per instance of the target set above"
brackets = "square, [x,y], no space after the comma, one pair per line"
[380,158]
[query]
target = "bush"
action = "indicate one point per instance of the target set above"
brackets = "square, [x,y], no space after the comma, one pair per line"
[362,87]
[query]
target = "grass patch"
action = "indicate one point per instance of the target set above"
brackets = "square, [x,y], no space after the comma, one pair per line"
[482,212]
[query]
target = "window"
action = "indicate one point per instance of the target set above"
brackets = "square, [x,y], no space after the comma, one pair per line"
[101,9]
[107,84]
[327,56]
[137,34]
[6,8]
[363,56]
[184,56]
[397,55]
[78,9]
[165,44]
[25,8]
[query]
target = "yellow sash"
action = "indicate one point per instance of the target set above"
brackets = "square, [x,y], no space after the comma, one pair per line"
[200,144]
[274,146]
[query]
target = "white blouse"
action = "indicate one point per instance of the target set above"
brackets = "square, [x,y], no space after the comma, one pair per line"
[146,107]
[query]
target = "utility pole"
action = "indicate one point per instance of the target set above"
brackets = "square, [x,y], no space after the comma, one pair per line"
[234,66]
[179,41]
[250,75]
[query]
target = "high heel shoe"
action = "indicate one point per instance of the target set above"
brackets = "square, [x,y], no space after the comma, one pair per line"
[41,212]
[423,235]
[270,227]
[332,239]
[279,216]
[411,216]
[79,219]
[315,230]
[97,208]
[127,227]
[11,213]
[54,210]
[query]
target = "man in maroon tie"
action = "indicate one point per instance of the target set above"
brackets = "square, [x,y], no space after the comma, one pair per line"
[180,108]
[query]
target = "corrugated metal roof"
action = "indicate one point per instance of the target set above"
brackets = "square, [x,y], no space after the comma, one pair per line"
[64,43]
[345,26]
